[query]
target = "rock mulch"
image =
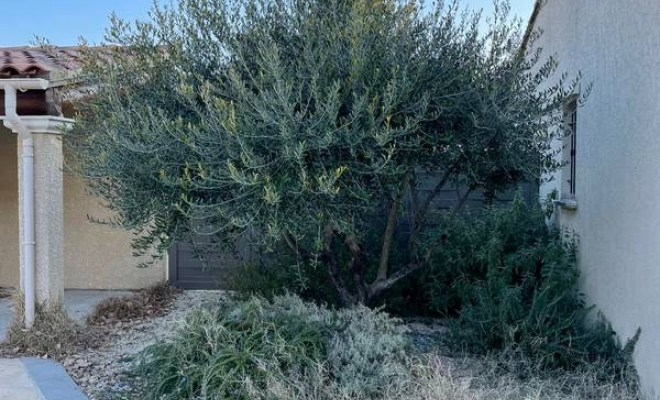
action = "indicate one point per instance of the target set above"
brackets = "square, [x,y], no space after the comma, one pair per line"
[103,369]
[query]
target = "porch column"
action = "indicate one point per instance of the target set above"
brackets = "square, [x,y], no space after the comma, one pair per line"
[48,217]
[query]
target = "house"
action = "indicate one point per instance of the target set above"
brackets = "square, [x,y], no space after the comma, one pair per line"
[59,247]
[609,189]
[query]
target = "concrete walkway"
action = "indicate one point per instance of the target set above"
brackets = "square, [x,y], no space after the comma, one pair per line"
[5,317]
[15,383]
[78,304]
[40,379]
[36,379]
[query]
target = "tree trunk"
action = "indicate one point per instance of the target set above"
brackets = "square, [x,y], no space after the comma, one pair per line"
[345,297]
[334,271]
[388,236]
[356,266]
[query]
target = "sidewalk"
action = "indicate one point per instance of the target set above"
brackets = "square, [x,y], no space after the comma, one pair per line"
[36,379]
[43,379]
[15,382]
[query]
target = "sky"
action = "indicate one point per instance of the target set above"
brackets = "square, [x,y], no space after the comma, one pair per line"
[62,22]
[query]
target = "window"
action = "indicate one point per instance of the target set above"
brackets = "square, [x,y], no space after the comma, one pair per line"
[570,145]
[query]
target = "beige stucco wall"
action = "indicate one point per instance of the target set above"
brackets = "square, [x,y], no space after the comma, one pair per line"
[95,256]
[617,48]
[9,258]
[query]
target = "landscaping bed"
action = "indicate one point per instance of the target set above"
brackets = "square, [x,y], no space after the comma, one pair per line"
[292,347]
[371,353]
[103,369]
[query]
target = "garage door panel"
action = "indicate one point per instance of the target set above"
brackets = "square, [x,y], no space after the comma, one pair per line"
[212,271]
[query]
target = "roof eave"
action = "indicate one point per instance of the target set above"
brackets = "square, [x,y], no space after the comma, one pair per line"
[530,25]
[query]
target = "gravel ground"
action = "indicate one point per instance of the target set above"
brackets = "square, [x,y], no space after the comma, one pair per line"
[103,370]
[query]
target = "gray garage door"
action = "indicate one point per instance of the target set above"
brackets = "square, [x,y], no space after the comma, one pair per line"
[189,270]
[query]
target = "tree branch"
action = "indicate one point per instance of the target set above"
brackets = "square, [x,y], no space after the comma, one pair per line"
[388,236]
[461,201]
[420,215]
[291,243]
[380,285]
[333,268]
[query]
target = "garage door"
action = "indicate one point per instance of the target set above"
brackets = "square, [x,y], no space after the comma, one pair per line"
[187,270]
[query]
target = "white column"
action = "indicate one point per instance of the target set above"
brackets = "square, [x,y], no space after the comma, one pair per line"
[48,216]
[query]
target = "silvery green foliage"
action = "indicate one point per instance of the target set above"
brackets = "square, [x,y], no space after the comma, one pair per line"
[235,350]
[302,119]
[288,349]
[367,355]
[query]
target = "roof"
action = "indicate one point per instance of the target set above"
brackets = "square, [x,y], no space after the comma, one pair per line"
[36,61]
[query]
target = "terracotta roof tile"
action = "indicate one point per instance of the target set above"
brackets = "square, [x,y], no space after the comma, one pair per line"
[34,61]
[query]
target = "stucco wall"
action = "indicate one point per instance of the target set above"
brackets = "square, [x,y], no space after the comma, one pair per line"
[9,269]
[95,256]
[617,49]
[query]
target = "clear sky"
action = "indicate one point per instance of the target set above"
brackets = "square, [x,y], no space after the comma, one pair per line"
[62,22]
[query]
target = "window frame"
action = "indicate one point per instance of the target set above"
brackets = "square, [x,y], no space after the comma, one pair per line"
[569,150]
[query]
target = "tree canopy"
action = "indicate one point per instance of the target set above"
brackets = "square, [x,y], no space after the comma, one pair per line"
[303,121]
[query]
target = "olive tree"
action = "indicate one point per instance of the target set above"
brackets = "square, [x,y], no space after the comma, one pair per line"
[304,121]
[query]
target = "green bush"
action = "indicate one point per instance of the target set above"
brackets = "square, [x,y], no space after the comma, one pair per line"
[496,249]
[236,349]
[282,276]
[510,284]
[504,283]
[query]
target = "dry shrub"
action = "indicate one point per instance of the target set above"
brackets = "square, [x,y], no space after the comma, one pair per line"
[54,334]
[162,295]
[434,377]
[117,309]
[145,303]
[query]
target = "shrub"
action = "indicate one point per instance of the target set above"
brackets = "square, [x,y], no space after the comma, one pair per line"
[236,349]
[145,303]
[365,353]
[283,276]
[503,282]
[433,377]
[509,283]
